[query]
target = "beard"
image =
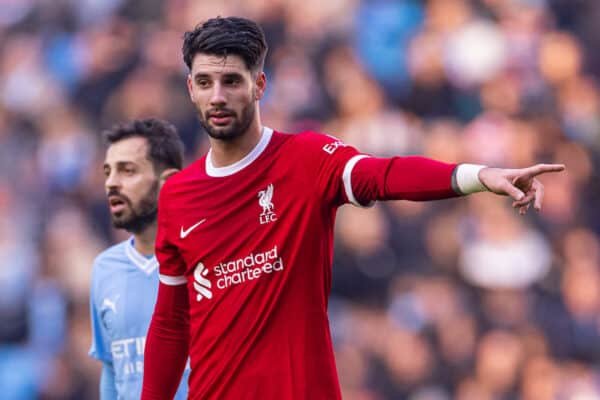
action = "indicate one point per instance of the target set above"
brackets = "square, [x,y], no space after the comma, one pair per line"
[235,129]
[137,219]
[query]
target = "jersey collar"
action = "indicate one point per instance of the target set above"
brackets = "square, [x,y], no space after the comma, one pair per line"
[147,265]
[219,172]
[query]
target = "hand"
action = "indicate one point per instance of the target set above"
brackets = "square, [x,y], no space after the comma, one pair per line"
[520,184]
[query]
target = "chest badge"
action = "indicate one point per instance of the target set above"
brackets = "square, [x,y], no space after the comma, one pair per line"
[265,200]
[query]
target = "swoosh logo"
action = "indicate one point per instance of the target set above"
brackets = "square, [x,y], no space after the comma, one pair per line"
[186,232]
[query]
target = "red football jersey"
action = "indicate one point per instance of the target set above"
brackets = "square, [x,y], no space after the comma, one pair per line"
[253,241]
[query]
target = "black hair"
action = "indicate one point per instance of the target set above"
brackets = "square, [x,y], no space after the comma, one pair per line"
[165,148]
[225,36]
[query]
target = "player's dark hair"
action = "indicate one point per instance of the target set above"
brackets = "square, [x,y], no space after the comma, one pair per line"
[165,148]
[225,36]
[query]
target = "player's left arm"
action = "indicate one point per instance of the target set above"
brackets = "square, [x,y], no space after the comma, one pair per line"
[344,175]
[420,178]
[367,179]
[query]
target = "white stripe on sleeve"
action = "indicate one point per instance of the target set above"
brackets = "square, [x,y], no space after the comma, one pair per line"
[172,280]
[347,177]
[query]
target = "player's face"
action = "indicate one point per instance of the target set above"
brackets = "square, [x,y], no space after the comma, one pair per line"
[131,185]
[225,94]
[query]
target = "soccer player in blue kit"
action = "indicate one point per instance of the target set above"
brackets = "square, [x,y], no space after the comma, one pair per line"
[141,155]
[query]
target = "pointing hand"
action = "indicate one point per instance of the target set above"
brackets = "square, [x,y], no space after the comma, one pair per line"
[520,184]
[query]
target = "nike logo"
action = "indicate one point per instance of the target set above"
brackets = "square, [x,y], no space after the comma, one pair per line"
[186,232]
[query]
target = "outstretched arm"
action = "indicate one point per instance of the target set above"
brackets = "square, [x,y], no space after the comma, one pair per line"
[420,178]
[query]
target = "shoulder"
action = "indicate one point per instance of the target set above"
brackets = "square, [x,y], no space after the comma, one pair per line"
[314,141]
[188,173]
[109,260]
[181,182]
[316,138]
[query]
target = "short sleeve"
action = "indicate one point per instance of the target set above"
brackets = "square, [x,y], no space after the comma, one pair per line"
[171,265]
[330,162]
[100,348]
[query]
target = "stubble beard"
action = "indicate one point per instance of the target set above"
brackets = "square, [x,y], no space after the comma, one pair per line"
[238,127]
[140,217]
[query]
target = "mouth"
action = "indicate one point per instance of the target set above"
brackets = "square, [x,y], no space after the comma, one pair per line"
[221,117]
[116,204]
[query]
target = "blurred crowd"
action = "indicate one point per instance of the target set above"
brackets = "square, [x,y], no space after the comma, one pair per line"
[458,299]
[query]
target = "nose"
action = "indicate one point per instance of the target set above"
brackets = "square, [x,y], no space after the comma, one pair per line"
[111,181]
[217,97]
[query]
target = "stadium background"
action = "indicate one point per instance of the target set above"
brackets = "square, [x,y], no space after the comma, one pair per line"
[460,299]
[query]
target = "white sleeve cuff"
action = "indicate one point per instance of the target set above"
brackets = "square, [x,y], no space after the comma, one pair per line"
[172,280]
[347,178]
[467,178]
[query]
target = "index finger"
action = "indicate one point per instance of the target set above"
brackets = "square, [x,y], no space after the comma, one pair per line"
[539,169]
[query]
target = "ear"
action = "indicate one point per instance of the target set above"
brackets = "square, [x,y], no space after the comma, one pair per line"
[190,87]
[166,174]
[261,85]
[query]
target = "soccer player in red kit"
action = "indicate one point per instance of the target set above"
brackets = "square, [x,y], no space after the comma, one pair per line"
[245,233]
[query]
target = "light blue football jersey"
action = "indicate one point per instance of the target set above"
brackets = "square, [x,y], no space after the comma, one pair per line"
[123,293]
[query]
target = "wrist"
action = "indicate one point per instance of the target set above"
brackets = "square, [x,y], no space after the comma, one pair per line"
[465,179]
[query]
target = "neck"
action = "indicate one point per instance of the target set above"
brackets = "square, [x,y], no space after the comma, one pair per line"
[224,153]
[144,241]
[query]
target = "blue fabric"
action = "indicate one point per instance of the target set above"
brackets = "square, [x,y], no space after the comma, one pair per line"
[123,293]
[108,389]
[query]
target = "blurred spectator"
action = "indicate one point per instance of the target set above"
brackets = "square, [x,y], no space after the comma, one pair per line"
[540,379]
[501,252]
[65,150]
[498,360]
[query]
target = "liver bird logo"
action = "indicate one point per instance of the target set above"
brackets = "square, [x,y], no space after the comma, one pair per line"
[264,199]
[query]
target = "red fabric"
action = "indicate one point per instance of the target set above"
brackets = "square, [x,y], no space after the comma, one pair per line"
[255,245]
[258,270]
[167,341]
[402,178]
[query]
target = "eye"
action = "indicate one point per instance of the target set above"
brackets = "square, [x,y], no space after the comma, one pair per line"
[127,169]
[203,83]
[232,81]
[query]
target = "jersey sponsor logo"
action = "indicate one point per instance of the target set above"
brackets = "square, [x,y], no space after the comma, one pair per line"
[183,233]
[201,283]
[330,148]
[237,272]
[265,200]
[128,354]
[249,268]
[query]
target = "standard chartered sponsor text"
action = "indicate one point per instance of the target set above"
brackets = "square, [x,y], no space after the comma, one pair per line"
[248,268]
